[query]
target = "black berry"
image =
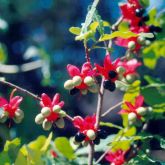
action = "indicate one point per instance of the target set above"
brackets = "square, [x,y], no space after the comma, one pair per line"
[145,18]
[79,137]
[139,12]
[155,29]
[109,85]
[102,134]
[74,91]
[96,141]
[112,74]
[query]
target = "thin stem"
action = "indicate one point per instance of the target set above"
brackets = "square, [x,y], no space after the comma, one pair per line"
[99,104]
[20,89]
[91,154]
[86,52]
[102,156]
[116,25]
[111,109]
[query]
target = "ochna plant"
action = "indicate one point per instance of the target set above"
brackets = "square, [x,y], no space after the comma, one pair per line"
[139,31]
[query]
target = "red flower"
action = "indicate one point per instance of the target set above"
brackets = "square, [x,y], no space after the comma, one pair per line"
[83,125]
[128,11]
[47,102]
[86,70]
[12,106]
[108,66]
[133,108]
[53,153]
[116,158]
[130,66]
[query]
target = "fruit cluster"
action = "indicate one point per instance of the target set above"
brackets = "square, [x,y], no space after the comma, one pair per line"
[11,110]
[136,112]
[134,14]
[51,112]
[82,81]
[87,131]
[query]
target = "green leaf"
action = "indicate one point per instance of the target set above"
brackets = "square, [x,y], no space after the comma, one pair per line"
[11,148]
[124,26]
[154,94]
[152,53]
[132,92]
[89,17]
[75,30]
[47,143]
[108,124]
[144,3]
[153,19]
[120,34]
[21,159]
[63,146]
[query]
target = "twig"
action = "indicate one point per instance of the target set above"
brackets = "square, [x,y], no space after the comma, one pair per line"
[111,109]
[20,89]
[102,156]
[116,25]
[91,154]
[99,104]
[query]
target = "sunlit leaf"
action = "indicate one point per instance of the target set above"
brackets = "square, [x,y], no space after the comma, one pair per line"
[120,34]
[63,146]
[75,30]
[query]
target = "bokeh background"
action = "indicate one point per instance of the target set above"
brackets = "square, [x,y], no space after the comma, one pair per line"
[36,46]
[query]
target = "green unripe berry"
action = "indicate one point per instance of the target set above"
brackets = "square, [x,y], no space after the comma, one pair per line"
[132,117]
[19,114]
[60,123]
[46,111]
[3,117]
[147,42]
[84,92]
[85,143]
[91,134]
[56,108]
[89,81]
[17,119]
[131,45]
[39,119]
[120,69]
[141,111]
[62,113]
[68,84]
[130,78]
[77,80]
[141,40]
[46,125]
[93,88]
[149,109]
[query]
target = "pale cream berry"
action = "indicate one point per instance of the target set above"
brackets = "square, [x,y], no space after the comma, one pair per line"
[39,119]
[89,81]
[68,84]
[46,111]
[46,125]
[60,123]
[91,134]
[56,108]
[131,45]
[77,80]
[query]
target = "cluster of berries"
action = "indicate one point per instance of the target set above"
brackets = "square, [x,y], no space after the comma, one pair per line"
[87,132]
[136,112]
[134,14]
[11,110]
[111,71]
[51,112]
[82,81]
